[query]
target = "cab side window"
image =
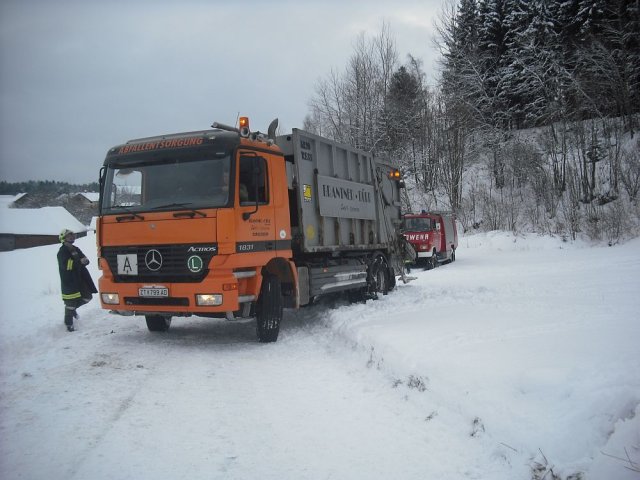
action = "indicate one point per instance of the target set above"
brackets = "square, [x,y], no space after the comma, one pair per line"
[252,181]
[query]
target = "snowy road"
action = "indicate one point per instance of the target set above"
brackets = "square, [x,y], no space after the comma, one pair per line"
[517,361]
[207,401]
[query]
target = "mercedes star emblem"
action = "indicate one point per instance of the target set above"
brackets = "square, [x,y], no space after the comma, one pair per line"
[153,260]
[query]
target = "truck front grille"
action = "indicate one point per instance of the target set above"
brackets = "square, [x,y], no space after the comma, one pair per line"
[184,263]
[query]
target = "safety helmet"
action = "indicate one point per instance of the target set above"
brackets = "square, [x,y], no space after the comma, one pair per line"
[63,234]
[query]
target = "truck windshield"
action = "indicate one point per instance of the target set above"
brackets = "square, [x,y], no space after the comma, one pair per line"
[417,224]
[166,184]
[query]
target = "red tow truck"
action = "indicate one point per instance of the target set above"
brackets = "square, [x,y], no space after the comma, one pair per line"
[433,235]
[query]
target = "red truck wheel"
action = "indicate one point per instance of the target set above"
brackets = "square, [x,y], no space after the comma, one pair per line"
[434,260]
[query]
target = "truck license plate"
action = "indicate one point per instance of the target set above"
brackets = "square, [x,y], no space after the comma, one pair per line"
[153,292]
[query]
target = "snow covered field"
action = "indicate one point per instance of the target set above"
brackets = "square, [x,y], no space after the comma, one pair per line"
[519,360]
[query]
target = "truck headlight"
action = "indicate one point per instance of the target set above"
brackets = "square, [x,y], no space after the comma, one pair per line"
[110,298]
[208,299]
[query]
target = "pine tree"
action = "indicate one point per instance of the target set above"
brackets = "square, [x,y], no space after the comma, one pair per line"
[492,35]
[402,108]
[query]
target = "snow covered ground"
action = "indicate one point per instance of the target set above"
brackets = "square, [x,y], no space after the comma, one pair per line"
[519,360]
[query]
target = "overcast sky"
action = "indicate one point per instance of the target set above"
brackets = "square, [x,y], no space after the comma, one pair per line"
[77,77]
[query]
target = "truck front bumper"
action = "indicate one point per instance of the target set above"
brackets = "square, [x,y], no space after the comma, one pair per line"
[218,294]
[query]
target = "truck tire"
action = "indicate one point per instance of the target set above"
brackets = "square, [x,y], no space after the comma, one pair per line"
[379,276]
[431,262]
[269,309]
[158,323]
[391,275]
[434,261]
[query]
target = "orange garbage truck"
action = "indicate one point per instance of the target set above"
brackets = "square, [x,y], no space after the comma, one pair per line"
[230,223]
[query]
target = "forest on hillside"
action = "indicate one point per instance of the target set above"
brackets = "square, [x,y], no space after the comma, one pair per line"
[532,124]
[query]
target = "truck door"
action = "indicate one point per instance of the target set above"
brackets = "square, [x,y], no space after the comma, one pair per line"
[438,228]
[255,224]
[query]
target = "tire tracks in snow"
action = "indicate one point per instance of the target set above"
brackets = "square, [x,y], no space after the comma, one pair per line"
[214,400]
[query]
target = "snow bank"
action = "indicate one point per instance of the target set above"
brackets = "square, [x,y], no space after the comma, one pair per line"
[535,337]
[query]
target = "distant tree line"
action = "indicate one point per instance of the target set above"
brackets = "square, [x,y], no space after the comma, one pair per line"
[531,126]
[47,187]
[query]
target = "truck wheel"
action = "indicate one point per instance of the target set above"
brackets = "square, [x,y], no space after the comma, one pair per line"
[379,276]
[431,262]
[269,309]
[158,323]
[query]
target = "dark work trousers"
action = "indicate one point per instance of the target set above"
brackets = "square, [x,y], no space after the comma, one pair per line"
[71,305]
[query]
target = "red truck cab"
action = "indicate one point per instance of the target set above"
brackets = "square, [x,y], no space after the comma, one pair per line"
[433,235]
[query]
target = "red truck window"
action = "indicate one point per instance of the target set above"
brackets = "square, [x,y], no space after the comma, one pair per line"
[418,224]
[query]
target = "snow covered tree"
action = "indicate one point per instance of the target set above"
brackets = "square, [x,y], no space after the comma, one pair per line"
[402,109]
[463,77]
[492,46]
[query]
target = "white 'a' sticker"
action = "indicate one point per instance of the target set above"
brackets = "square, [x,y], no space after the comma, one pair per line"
[128,264]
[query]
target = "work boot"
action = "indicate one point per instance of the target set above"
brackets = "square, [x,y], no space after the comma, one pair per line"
[68,319]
